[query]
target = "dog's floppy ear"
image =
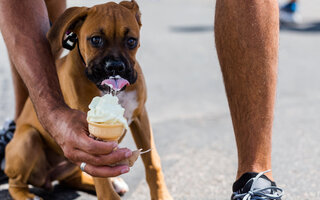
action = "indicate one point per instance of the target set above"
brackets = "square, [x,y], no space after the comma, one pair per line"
[69,21]
[133,6]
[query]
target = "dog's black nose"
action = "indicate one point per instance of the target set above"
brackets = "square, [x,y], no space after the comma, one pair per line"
[115,66]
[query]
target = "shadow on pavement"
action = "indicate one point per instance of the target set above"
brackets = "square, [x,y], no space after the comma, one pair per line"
[58,193]
[304,27]
[191,28]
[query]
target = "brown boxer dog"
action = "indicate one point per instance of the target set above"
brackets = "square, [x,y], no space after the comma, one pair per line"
[103,41]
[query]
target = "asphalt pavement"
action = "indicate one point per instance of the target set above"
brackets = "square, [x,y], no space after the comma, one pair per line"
[189,112]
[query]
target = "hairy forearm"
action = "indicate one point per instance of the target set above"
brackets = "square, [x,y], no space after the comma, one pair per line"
[24,25]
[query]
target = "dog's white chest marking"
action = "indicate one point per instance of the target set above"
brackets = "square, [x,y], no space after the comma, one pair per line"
[128,101]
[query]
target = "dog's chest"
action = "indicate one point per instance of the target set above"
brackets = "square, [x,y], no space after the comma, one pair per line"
[129,102]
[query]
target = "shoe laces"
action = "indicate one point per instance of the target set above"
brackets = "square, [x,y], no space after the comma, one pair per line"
[258,194]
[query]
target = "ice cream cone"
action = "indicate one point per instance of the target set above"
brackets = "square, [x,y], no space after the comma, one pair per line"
[106,132]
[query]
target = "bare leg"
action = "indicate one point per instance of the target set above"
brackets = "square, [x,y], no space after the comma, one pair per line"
[247,34]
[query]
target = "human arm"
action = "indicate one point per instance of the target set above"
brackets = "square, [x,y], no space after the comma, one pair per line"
[24,25]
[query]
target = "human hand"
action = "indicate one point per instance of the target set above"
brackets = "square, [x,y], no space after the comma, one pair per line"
[69,128]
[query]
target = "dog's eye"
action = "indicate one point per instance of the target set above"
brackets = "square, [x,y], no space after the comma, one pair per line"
[132,43]
[96,41]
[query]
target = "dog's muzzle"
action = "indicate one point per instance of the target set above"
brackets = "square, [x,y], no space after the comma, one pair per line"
[111,74]
[115,67]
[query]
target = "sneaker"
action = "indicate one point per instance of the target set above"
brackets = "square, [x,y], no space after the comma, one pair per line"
[254,186]
[289,14]
[6,134]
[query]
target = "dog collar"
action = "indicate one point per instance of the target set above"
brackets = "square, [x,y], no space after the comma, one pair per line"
[70,42]
[81,55]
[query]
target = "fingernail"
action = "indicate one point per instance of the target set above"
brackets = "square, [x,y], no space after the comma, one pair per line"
[128,154]
[114,145]
[125,170]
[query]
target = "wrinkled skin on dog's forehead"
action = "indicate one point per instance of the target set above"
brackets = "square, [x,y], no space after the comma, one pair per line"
[115,24]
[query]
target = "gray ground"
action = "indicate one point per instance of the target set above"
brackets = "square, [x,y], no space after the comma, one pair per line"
[189,112]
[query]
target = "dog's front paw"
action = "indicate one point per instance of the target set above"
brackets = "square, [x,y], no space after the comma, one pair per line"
[22,194]
[119,185]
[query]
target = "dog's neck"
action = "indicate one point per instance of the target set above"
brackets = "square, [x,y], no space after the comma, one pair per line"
[77,89]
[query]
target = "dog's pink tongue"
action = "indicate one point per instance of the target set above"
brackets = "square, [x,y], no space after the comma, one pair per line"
[115,83]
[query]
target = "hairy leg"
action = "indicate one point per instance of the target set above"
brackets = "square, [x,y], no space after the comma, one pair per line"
[247,34]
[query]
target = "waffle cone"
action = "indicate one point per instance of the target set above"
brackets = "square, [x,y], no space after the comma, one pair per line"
[106,132]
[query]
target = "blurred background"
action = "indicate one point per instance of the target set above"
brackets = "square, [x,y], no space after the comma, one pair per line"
[188,107]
